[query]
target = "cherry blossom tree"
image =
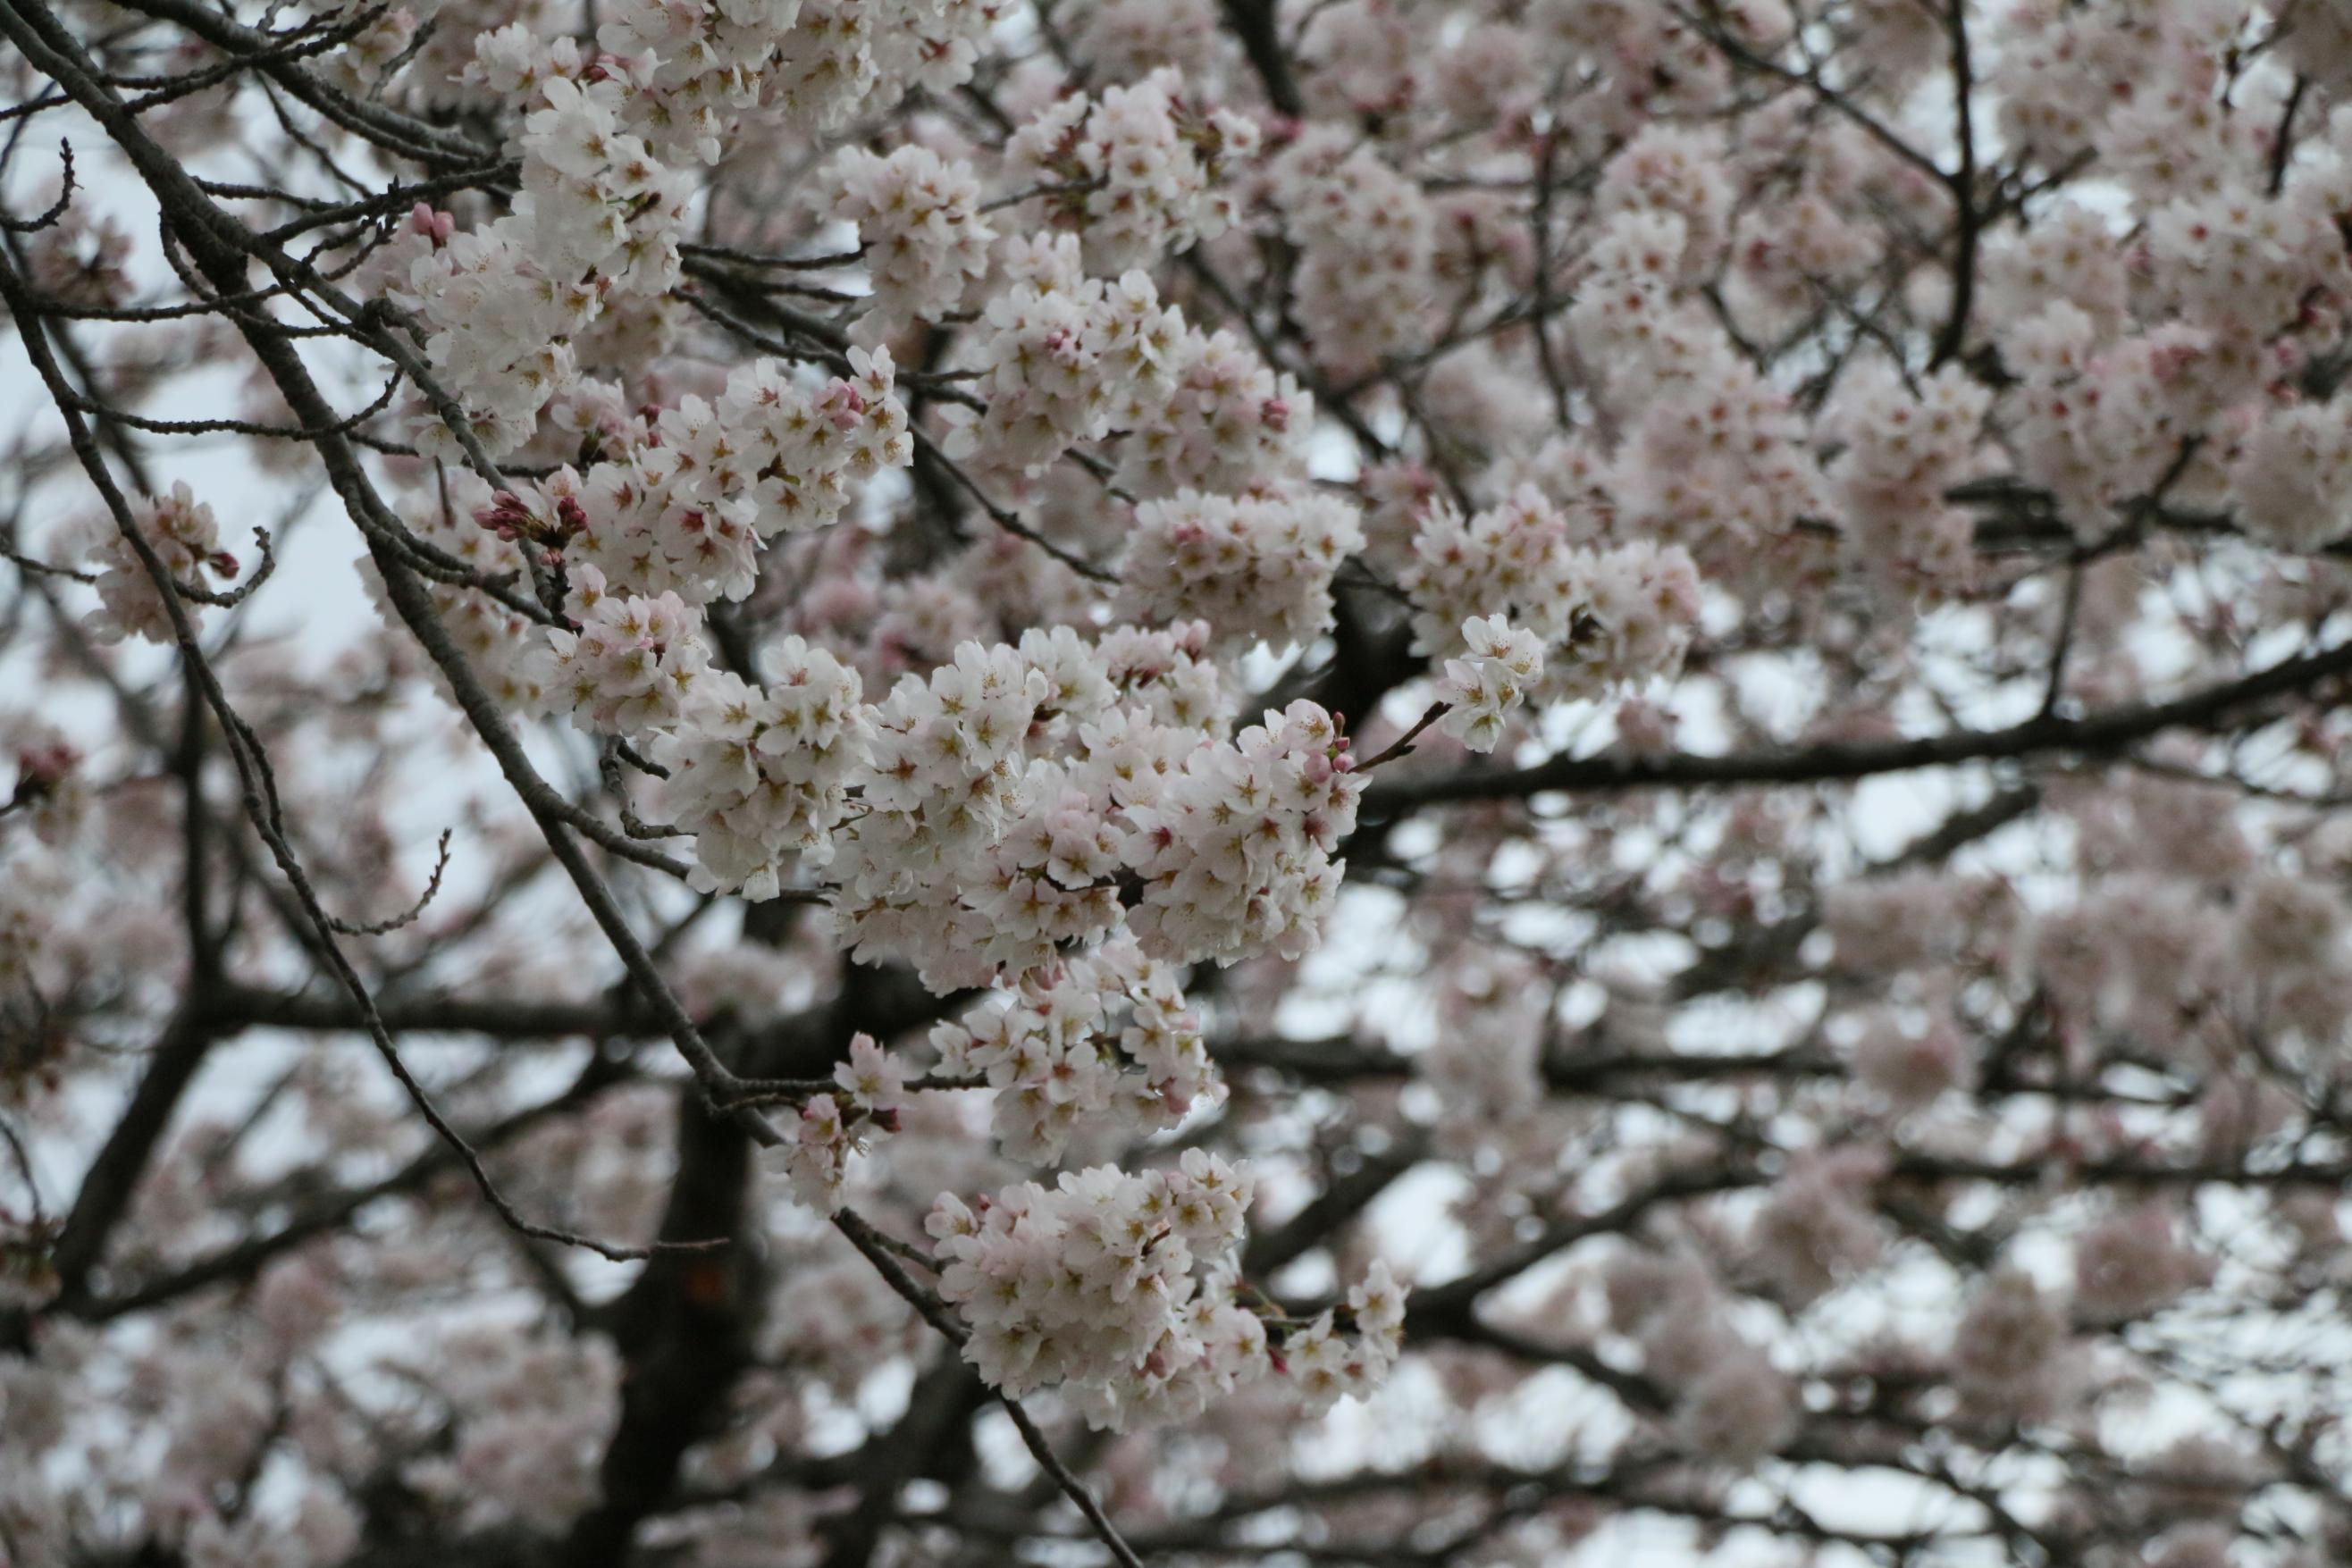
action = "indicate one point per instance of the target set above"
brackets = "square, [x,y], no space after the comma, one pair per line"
[955,782]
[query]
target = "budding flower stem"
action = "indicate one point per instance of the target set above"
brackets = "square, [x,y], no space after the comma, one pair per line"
[1404,742]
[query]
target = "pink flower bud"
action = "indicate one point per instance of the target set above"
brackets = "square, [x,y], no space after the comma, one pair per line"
[506,515]
[41,769]
[842,406]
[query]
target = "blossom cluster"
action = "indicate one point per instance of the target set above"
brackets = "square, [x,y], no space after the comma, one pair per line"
[704,65]
[1116,1287]
[760,776]
[1481,688]
[506,648]
[1063,357]
[1367,239]
[1135,171]
[2006,1346]
[1904,449]
[924,233]
[2102,421]
[1348,1353]
[1732,1406]
[538,1407]
[634,663]
[1713,454]
[1600,618]
[1104,1042]
[1228,423]
[1235,852]
[185,537]
[707,69]
[1257,568]
[1677,172]
[846,56]
[1020,800]
[831,1126]
[598,217]
[1119,1289]
[2133,1262]
[1910,1069]
[968,859]
[2292,478]
[503,306]
[682,504]
[1486,1064]
[1816,1228]
[1125,39]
